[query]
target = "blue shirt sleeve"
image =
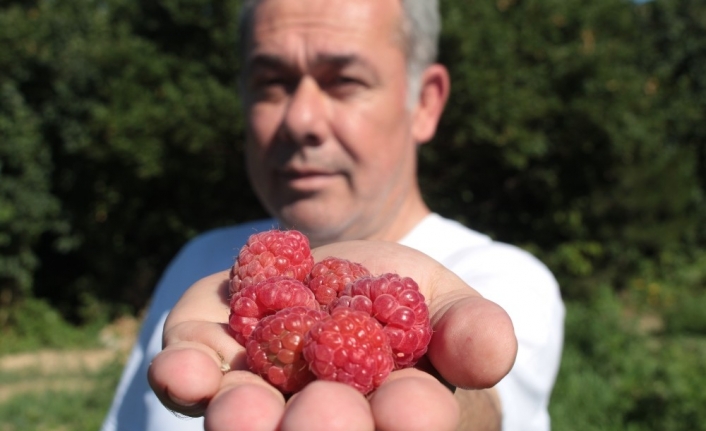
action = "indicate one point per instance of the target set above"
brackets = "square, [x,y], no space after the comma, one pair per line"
[135,407]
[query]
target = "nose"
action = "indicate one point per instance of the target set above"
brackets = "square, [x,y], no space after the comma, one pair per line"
[305,120]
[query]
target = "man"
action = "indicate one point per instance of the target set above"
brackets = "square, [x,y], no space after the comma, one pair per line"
[338,95]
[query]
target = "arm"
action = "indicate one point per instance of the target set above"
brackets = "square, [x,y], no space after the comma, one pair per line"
[473,347]
[480,410]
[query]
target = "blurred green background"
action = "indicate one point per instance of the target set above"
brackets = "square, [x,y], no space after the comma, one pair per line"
[575,129]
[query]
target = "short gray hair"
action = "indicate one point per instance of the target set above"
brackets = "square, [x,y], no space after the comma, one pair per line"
[420,28]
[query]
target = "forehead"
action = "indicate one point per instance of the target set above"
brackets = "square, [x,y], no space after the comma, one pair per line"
[309,28]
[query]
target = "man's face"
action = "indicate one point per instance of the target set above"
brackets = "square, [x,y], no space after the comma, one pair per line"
[329,144]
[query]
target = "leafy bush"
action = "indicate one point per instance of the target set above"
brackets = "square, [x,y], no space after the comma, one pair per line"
[561,132]
[136,105]
[674,289]
[573,130]
[686,314]
[33,324]
[27,207]
[615,377]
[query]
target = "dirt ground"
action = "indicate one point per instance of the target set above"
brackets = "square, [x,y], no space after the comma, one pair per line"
[63,370]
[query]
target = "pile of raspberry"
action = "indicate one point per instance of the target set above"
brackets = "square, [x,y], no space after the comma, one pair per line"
[333,320]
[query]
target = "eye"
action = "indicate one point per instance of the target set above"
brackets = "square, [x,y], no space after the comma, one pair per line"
[269,86]
[343,80]
[268,81]
[344,85]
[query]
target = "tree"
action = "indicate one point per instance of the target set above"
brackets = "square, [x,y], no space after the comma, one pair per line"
[27,207]
[574,129]
[136,104]
[562,137]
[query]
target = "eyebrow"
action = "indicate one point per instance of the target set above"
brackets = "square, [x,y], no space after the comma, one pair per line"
[266,61]
[269,61]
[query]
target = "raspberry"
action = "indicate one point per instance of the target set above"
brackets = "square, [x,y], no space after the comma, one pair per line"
[330,276]
[274,350]
[269,254]
[349,347]
[256,301]
[399,306]
[333,320]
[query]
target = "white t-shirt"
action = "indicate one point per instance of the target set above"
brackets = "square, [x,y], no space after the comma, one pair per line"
[512,278]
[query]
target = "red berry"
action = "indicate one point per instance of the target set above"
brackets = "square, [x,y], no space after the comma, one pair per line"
[256,301]
[274,350]
[399,306]
[269,254]
[349,347]
[328,278]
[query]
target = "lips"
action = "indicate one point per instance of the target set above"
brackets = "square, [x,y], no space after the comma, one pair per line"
[303,173]
[306,179]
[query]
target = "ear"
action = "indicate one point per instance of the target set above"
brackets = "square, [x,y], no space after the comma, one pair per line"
[433,94]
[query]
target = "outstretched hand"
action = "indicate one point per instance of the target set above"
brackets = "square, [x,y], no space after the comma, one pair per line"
[202,369]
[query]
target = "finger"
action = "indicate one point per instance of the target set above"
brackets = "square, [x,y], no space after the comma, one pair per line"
[213,339]
[328,406]
[206,300]
[185,378]
[412,400]
[187,373]
[244,402]
[482,408]
[473,345]
[200,319]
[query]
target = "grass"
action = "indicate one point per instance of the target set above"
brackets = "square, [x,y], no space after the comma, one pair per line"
[54,376]
[78,401]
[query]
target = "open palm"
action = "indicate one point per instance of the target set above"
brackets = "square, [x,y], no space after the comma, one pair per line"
[202,369]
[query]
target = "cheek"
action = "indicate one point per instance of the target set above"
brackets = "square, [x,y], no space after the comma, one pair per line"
[378,170]
[254,146]
[257,142]
[253,162]
[259,137]
[378,140]
[263,123]
[372,131]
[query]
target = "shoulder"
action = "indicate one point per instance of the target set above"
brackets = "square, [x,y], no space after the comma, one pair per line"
[502,260]
[453,244]
[505,273]
[205,254]
[228,237]
[495,269]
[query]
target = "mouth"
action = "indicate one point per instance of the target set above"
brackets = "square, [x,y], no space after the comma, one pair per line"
[306,179]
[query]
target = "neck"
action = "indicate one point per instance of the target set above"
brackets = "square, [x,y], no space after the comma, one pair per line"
[392,227]
[409,214]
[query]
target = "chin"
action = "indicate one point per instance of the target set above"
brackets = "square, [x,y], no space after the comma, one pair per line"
[320,226]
